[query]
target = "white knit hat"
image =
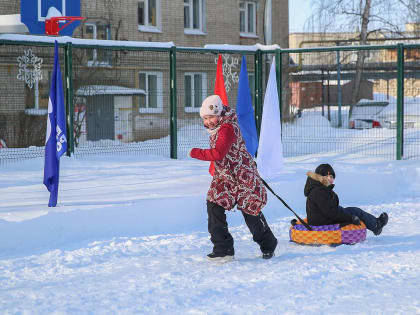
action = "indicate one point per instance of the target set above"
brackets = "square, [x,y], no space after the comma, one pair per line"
[212,105]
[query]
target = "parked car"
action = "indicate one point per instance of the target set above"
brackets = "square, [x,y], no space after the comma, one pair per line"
[365,114]
[392,124]
[388,117]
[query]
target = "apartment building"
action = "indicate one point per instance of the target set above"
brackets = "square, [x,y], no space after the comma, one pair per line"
[133,86]
[191,23]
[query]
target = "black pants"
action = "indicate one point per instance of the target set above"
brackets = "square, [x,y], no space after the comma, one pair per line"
[221,238]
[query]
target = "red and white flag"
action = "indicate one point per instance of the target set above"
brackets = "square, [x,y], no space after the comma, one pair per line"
[219,89]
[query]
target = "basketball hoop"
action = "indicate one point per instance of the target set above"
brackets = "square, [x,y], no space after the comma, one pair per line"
[52,27]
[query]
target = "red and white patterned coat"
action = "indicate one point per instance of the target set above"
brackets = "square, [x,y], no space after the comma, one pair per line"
[236,180]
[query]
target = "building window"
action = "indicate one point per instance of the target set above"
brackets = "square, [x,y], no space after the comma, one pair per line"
[248,18]
[149,15]
[195,87]
[98,30]
[152,101]
[194,16]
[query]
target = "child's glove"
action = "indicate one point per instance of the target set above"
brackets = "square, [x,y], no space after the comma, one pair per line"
[190,153]
[355,219]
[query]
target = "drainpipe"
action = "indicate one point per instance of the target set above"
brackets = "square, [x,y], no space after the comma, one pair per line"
[268,38]
[268,35]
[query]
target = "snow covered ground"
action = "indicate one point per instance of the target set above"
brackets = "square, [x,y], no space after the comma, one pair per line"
[129,235]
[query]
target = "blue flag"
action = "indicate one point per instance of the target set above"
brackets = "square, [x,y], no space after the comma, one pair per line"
[245,111]
[56,141]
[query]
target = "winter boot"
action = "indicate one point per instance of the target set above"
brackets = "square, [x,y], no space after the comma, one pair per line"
[225,256]
[381,221]
[269,254]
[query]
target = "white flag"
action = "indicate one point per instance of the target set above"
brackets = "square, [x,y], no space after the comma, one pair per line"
[270,150]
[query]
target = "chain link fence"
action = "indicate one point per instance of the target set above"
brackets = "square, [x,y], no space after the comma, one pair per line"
[120,101]
[25,72]
[328,114]
[146,100]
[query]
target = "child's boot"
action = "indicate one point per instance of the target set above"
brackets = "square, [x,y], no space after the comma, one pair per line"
[269,254]
[381,221]
[223,255]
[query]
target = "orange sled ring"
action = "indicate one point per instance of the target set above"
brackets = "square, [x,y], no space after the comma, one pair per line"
[331,234]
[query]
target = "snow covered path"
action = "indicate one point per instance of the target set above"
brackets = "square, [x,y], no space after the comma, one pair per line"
[168,274]
[139,246]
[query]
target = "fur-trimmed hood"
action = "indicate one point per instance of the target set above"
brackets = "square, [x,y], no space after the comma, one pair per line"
[316,180]
[322,179]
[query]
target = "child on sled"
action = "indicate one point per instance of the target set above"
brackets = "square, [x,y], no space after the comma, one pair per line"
[323,208]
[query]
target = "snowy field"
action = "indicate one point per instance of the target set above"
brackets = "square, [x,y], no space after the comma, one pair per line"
[129,236]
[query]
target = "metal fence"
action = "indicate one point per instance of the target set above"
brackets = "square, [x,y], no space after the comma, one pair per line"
[145,100]
[120,100]
[25,72]
[381,118]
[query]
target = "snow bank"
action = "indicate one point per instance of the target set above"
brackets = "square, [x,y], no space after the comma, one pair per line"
[129,235]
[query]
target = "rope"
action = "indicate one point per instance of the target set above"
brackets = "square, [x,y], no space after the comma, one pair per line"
[287,206]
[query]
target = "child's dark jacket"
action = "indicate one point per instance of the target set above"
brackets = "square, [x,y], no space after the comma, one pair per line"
[236,180]
[322,203]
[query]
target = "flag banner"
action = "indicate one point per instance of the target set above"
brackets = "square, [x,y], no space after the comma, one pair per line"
[219,89]
[56,141]
[270,149]
[245,111]
[219,84]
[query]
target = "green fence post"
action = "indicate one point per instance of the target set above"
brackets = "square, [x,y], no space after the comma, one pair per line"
[68,77]
[258,89]
[279,66]
[339,89]
[173,105]
[400,100]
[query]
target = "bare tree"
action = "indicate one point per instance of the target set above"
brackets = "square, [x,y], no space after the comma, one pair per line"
[364,17]
[413,9]
[361,53]
[385,16]
[88,73]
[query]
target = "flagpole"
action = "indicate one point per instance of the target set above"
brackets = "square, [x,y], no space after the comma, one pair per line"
[279,63]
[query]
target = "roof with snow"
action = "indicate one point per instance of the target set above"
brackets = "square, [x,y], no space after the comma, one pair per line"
[366,102]
[81,41]
[242,47]
[11,23]
[90,90]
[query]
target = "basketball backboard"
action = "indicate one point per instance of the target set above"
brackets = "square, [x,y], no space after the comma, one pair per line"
[34,13]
